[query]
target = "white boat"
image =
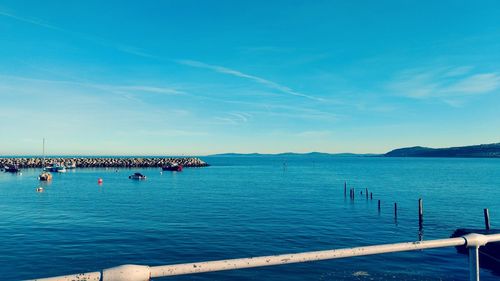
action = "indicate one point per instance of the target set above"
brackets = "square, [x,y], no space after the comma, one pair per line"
[57,168]
[70,166]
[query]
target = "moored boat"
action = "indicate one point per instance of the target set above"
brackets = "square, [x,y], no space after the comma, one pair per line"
[137,176]
[44,175]
[12,169]
[174,167]
[57,168]
[70,165]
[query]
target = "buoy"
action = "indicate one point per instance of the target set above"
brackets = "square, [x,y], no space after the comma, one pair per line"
[99,181]
[39,189]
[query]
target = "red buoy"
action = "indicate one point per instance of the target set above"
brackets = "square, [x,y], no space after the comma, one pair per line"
[99,181]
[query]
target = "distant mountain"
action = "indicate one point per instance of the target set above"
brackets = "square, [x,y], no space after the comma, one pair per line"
[236,154]
[473,151]
[292,154]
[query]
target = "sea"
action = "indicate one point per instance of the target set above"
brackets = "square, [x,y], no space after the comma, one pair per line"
[245,207]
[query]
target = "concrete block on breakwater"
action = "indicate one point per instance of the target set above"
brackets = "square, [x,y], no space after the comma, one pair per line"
[95,162]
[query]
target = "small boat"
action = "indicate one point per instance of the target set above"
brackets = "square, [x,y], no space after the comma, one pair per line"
[137,176]
[12,169]
[70,166]
[45,176]
[174,167]
[57,168]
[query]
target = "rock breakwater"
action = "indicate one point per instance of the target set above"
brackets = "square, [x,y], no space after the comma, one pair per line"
[101,162]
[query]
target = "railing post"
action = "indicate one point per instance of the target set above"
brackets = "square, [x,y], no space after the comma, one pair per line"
[474,263]
[473,242]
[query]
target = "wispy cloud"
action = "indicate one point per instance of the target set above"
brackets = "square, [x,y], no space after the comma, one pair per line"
[454,102]
[149,89]
[29,20]
[233,118]
[142,53]
[168,133]
[299,112]
[225,121]
[132,50]
[94,39]
[314,134]
[236,73]
[242,116]
[106,87]
[278,107]
[446,84]
[475,84]
[259,49]
[292,111]
[372,106]
[457,71]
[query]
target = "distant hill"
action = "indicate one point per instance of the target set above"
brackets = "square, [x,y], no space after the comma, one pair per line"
[473,151]
[292,154]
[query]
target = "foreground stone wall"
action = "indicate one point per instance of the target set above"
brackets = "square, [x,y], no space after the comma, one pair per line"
[86,162]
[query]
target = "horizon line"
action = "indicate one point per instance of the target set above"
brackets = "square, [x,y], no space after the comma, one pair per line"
[173,155]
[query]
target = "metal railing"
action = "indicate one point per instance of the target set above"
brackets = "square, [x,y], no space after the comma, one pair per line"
[144,273]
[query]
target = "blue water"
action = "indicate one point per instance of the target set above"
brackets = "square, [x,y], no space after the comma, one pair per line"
[247,206]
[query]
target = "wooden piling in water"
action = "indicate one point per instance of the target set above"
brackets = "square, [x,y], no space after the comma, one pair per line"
[379,205]
[395,209]
[345,189]
[371,195]
[353,193]
[366,189]
[487,219]
[420,213]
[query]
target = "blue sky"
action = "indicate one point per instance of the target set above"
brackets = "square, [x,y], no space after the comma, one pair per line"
[202,77]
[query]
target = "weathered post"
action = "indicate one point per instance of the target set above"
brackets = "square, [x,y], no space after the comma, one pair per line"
[371,195]
[379,205]
[487,219]
[345,189]
[420,213]
[395,209]
[366,190]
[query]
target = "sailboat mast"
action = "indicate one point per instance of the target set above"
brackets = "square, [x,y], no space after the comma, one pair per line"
[43,151]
